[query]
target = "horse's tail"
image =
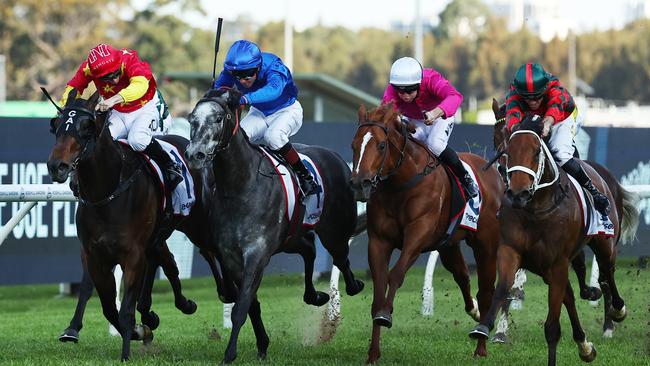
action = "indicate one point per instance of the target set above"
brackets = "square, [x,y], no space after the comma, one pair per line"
[362,223]
[630,217]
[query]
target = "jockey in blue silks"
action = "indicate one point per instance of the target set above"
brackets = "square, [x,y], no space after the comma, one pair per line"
[275,113]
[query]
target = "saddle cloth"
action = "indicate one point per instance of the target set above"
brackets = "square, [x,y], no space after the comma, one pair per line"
[183,197]
[593,221]
[313,203]
[473,206]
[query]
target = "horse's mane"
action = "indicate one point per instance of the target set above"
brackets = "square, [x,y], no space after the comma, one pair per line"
[384,113]
[531,123]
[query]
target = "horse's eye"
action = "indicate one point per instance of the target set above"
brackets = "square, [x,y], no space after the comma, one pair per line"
[382,146]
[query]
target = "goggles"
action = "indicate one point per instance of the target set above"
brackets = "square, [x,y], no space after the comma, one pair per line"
[406,89]
[244,74]
[113,75]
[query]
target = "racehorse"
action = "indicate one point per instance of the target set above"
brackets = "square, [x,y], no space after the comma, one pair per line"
[539,197]
[250,214]
[120,219]
[623,200]
[409,208]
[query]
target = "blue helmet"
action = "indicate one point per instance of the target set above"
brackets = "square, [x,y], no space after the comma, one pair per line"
[243,55]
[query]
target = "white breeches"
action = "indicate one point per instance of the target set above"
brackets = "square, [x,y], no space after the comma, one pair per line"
[562,142]
[275,129]
[137,127]
[435,135]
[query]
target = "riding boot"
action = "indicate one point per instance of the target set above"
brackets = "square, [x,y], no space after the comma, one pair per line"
[601,203]
[172,173]
[307,183]
[449,157]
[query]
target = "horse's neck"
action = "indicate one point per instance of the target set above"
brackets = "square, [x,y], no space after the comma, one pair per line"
[546,197]
[237,164]
[99,174]
[415,159]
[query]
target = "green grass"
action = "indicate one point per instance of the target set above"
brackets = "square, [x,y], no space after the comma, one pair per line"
[31,318]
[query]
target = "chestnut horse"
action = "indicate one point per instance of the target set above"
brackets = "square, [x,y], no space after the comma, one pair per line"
[623,200]
[538,199]
[409,208]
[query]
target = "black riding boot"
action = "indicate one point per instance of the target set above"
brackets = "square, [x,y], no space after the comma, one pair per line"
[601,203]
[450,158]
[171,170]
[307,183]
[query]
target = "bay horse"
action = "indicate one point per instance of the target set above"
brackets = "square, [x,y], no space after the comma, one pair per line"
[623,200]
[249,210]
[120,219]
[409,209]
[540,197]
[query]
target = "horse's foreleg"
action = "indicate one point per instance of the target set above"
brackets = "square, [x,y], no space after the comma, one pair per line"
[253,268]
[453,261]
[378,258]
[508,261]
[307,251]
[71,333]
[262,339]
[133,279]
[557,288]
[102,278]
[486,273]
[586,350]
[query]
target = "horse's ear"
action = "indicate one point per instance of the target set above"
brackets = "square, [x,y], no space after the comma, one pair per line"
[363,114]
[71,96]
[94,98]
[233,98]
[495,108]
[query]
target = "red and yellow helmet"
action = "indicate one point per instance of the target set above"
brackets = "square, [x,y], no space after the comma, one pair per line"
[104,59]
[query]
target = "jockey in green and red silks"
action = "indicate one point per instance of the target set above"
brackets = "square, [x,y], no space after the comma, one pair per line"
[537,92]
[430,102]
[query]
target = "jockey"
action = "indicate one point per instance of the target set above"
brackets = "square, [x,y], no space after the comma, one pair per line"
[275,113]
[426,97]
[534,91]
[126,84]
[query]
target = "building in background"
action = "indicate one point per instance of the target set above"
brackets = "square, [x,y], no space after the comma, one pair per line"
[545,18]
[637,9]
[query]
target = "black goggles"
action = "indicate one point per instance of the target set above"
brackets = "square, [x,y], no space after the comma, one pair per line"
[406,88]
[533,97]
[113,75]
[244,74]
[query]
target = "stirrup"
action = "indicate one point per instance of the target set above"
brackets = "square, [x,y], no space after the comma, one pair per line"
[308,186]
[174,177]
[470,187]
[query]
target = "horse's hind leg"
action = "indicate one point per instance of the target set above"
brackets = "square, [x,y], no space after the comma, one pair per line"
[71,333]
[307,251]
[339,249]
[148,317]
[580,268]
[262,339]
[614,305]
[452,259]
[586,350]
[168,264]
[226,291]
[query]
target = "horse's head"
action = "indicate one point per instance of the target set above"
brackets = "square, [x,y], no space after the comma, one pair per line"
[213,123]
[76,130]
[500,133]
[373,158]
[527,155]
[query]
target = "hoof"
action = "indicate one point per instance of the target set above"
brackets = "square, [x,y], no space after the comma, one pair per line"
[589,357]
[480,332]
[617,315]
[69,335]
[608,333]
[189,308]
[151,320]
[591,294]
[320,299]
[142,333]
[261,356]
[383,319]
[353,290]
[500,338]
[474,313]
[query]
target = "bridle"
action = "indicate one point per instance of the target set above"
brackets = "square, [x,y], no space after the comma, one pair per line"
[223,140]
[378,177]
[87,143]
[544,154]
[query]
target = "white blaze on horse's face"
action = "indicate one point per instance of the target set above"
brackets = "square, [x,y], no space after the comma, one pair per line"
[207,122]
[364,143]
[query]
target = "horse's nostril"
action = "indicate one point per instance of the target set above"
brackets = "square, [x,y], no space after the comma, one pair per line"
[199,156]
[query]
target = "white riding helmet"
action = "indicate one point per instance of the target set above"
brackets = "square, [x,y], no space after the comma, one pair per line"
[406,71]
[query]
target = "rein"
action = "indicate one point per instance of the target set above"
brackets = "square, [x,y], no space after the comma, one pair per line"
[222,145]
[544,154]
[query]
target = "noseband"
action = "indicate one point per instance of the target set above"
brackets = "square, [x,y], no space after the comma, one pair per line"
[544,154]
[379,177]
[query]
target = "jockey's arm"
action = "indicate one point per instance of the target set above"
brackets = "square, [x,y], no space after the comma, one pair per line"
[275,84]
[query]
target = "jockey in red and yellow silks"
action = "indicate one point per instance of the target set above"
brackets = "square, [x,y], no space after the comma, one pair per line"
[127,85]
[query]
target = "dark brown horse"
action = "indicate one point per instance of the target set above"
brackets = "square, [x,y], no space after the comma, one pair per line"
[623,200]
[539,197]
[120,219]
[409,209]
